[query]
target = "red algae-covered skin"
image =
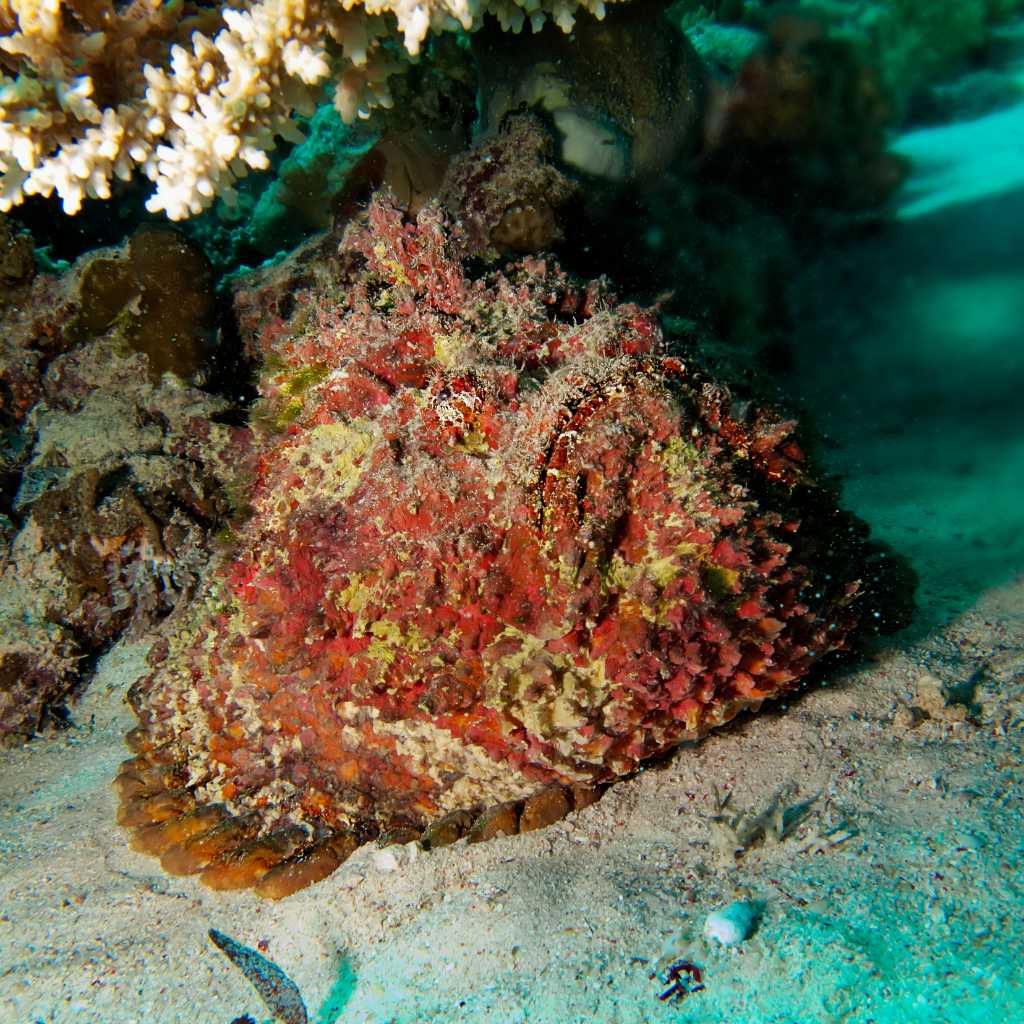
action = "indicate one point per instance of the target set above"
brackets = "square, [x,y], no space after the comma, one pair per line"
[500,541]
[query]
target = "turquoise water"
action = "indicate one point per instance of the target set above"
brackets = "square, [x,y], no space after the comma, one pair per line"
[910,355]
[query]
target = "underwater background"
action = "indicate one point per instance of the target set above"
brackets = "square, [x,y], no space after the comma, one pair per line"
[591,429]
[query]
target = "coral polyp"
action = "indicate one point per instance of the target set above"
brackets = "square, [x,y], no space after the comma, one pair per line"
[504,548]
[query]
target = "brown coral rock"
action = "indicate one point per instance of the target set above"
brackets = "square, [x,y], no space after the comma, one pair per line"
[111,478]
[157,293]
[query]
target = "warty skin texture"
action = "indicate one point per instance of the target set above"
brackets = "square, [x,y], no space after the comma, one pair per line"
[501,545]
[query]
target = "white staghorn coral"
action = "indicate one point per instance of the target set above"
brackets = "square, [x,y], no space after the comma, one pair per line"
[195,98]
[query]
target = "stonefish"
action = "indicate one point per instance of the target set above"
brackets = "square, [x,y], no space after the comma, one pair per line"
[503,548]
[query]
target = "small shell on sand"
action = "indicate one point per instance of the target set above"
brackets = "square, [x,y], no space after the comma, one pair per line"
[731,925]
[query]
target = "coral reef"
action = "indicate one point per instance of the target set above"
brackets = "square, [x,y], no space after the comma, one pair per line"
[193,96]
[306,184]
[153,295]
[912,42]
[807,109]
[909,42]
[25,341]
[110,523]
[113,475]
[157,293]
[38,669]
[504,549]
[17,266]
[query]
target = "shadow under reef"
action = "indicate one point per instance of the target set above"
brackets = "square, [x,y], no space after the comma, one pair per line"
[907,355]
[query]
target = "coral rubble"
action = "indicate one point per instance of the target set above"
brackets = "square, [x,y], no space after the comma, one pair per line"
[504,548]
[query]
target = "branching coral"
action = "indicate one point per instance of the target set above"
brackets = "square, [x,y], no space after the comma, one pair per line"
[194,96]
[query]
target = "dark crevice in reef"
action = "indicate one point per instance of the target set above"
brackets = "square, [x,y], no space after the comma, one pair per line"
[230,372]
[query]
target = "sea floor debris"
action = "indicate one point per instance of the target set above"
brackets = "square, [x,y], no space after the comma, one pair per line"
[279,993]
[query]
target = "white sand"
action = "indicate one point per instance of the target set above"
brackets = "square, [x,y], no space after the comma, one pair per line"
[918,910]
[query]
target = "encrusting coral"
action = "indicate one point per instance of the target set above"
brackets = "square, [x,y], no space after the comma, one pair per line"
[504,549]
[193,96]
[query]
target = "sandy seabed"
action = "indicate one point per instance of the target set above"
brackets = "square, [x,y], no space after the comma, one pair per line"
[876,821]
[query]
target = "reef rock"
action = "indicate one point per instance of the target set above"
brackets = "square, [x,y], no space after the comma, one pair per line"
[114,468]
[504,548]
